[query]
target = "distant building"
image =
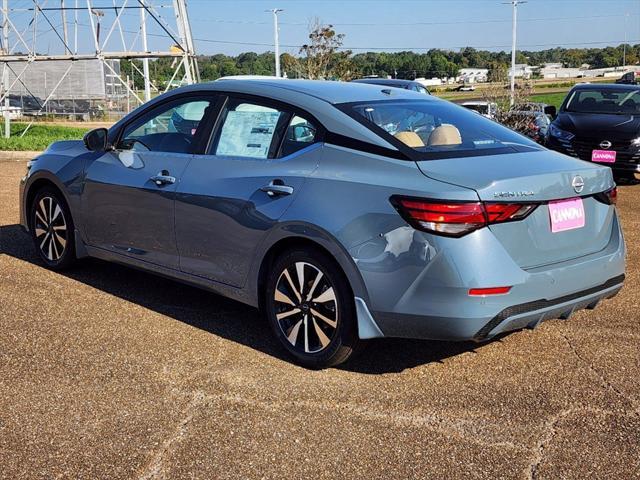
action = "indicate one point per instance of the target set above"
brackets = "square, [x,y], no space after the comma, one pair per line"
[429,82]
[522,70]
[557,70]
[473,75]
[87,80]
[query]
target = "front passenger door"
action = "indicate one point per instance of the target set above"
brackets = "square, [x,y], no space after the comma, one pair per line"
[129,193]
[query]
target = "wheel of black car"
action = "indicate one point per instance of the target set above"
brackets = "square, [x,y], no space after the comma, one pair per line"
[311,309]
[52,229]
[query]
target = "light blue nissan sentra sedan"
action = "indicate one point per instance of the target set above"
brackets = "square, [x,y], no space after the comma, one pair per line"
[344,211]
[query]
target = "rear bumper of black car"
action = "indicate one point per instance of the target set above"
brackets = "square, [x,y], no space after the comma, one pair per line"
[627,154]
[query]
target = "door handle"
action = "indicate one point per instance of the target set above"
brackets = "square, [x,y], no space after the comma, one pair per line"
[277,188]
[163,178]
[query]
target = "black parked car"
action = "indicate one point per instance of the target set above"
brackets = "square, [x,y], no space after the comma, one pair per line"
[629,78]
[388,82]
[533,124]
[600,123]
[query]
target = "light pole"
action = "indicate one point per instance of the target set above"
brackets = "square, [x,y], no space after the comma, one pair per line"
[276,42]
[145,47]
[514,22]
[5,71]
[624,46]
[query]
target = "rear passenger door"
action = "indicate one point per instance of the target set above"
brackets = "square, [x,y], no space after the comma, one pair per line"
[254,167]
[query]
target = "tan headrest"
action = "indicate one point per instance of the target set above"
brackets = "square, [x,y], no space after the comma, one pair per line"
[411,139]
[444,135]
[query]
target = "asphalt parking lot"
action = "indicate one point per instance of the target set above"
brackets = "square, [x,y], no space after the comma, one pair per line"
[106,372]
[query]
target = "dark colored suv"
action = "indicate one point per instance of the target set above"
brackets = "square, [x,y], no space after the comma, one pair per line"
[600,123]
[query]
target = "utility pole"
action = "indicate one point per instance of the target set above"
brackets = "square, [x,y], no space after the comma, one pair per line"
[145,61]
[5,79]
[624,46]
[514,22]
[276,41]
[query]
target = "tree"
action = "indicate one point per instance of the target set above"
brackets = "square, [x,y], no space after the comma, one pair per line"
[290,65]
[324,43]
[497,72]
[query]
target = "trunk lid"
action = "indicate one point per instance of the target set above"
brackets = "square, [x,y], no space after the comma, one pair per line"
[535,177]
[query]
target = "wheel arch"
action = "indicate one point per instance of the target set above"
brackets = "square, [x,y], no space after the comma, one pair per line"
[35,185]
[301,235]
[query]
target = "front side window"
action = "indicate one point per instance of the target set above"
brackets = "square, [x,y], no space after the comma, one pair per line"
[612,101]
[172,127]
[249,130]
[435,127]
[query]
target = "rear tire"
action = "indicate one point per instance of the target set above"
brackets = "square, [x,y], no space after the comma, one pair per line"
[310,308]
[52,229]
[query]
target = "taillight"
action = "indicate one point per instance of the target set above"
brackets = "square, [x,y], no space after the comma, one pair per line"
[610,197]
[454,218]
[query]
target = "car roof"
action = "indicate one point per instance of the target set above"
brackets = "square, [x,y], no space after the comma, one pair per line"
[606,86]
[333,92]
[384,81]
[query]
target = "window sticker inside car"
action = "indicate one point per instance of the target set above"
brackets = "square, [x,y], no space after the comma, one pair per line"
[247,134]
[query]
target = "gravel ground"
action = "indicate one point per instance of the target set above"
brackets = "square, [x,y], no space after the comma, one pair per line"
[106,372]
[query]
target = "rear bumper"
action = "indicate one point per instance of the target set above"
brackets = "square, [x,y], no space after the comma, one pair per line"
[426,295]
[533,313]
[516,317]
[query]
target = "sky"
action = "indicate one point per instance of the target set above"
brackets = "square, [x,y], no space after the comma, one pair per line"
[417,24]
[235,26]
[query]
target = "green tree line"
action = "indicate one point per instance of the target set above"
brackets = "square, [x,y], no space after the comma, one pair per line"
[343,64]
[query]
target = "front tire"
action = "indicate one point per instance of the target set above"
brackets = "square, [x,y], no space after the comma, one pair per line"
[52,229]
[310,307]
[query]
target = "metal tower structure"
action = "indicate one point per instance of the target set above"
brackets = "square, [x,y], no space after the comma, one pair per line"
[76,31]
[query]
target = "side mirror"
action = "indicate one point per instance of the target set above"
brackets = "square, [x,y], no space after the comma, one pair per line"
[550,110]
[96,140]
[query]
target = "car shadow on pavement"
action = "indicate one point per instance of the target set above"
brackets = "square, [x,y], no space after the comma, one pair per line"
[221,316]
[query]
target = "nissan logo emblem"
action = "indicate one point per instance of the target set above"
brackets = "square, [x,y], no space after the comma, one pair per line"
[578,183]
[605,144]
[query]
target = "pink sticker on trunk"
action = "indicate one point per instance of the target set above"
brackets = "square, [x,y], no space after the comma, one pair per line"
[603,156]
[566,214]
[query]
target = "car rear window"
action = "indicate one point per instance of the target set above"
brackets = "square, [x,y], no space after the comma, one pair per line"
[613,101]
[438,129]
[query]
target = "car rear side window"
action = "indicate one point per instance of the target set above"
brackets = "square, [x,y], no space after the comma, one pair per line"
[250,130]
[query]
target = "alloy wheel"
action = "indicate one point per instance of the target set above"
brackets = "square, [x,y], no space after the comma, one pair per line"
[306,307]
[50,228]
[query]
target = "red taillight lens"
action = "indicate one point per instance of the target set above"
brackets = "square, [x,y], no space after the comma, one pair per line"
[446,218]
[474,292]
[506,212]
[610,197]
[455,218]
